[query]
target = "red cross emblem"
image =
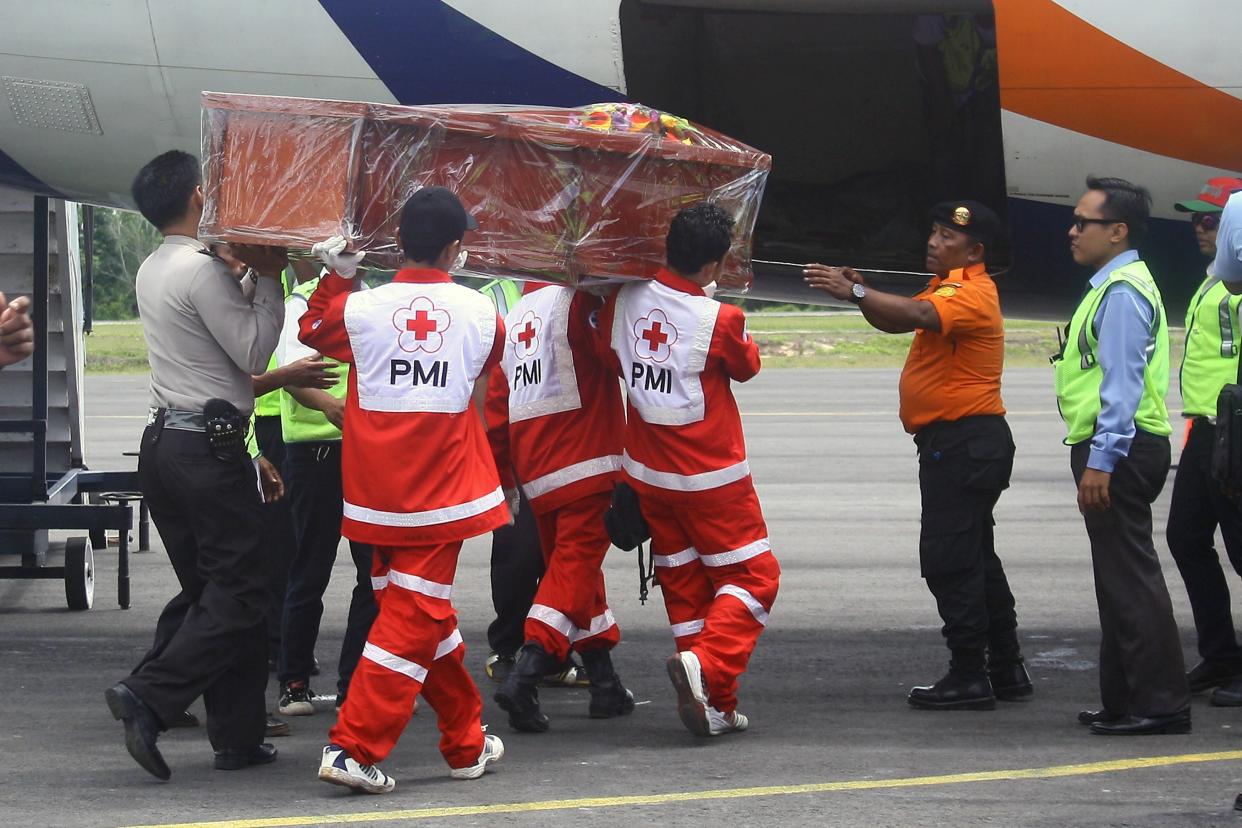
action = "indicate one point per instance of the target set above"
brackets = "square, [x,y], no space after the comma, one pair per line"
[421,326]
[654,336]
[525,335]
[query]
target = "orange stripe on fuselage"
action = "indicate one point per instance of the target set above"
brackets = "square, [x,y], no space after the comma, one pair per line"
[1058,68]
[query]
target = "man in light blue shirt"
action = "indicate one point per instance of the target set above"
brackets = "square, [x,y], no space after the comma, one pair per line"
[1228,264]
[1111,378]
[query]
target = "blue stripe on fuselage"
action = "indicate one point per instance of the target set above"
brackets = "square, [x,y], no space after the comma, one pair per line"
[427,52]
[13,174]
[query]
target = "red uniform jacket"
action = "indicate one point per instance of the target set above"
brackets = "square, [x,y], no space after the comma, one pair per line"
[676,351]
[554,411]
[415,463]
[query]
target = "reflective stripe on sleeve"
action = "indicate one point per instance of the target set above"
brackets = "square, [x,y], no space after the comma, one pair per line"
[448,514]
[394,662]
[752,604]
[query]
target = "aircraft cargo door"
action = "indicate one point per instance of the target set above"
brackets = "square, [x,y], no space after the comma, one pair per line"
[872,112]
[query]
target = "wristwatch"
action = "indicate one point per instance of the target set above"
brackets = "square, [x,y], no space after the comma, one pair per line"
[857,292]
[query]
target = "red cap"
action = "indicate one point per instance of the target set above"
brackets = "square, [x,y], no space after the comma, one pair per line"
[1212,197]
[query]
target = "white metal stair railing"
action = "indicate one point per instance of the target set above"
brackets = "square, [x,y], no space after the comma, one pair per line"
[64,332]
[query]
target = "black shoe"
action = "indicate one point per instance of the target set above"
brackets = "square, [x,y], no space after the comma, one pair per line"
[1145,725]
[186,719]
[1228,695]
[498,667]
[228,759]
[1208,674]
[519,695]
[956,691]
[1011,682]
[609,698]
[142,729]
[296,699]
[1090,717]
[276,727]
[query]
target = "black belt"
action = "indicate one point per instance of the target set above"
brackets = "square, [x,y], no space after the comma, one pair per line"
[177,419]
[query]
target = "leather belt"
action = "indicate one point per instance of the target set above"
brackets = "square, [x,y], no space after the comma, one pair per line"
[177,419]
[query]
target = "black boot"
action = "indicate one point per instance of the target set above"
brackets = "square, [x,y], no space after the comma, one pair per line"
[1010,680]
[609,697]
[519,695]
[964,687]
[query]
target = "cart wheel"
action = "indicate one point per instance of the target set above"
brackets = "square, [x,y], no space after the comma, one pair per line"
[79,573]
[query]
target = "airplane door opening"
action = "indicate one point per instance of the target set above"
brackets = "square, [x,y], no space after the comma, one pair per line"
[870,118]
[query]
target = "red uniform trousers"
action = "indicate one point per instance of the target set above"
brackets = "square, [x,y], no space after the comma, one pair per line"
[413,645]
[571,609]
[719,578]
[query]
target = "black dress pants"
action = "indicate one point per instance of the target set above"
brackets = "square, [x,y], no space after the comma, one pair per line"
[516,567]
[313,478]
[1142,671]
[1198,507]
[964,465]
[278,535]
[209,640]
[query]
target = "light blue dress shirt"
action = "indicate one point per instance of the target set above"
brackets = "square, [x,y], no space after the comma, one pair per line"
[1228,264]
[1125,342]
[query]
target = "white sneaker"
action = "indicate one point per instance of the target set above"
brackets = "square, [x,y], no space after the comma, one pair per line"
[720,723]
[687,676]
[339,768]
[493,751]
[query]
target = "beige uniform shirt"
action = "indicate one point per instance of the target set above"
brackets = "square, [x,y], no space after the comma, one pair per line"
[205,339]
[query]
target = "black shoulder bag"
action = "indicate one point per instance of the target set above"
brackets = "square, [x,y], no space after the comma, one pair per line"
[1227,450]
[627,529]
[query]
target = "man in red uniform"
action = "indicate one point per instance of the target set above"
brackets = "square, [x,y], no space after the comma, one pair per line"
[676,349]
[418,479]
[555,418]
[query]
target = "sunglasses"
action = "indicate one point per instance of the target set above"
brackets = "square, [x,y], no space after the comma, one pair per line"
[1080,224]
[1208,221]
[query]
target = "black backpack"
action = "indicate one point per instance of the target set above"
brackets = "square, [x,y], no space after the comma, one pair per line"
[1227,451]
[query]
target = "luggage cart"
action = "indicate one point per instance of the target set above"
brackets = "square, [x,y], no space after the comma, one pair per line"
[33,503]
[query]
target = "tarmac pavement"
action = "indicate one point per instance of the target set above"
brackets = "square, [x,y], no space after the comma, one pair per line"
[832,740]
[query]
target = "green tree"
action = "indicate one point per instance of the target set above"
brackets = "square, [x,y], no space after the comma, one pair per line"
[122,240]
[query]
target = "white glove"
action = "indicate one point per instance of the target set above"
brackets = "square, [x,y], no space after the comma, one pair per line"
[514,499]
[332,253]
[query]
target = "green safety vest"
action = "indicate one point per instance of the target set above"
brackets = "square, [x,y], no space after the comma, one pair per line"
[1211,358]
[268,405]
[504,292]
[299,424]
[1078,373]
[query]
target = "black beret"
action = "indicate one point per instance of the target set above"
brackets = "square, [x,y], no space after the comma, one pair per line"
[970,217]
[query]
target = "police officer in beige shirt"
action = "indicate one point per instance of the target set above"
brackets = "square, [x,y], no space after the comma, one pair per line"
[205,341]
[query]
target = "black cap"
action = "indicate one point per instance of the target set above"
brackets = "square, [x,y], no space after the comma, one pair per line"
[432,218]
[970,217]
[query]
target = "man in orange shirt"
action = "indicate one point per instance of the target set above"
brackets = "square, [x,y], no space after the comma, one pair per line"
[951,403]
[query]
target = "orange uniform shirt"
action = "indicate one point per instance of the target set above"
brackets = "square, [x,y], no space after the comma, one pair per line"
[956,372]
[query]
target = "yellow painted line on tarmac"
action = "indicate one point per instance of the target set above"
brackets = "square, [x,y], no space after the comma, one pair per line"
[1053,772]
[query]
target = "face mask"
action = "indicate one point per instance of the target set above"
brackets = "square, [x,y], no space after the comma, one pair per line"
[709,289]
[461,260]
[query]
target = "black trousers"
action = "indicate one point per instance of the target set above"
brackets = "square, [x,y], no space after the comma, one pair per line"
[1198,507]
[209,640]
[278,535]
[964,465]
[1142,671]
[517,566]
[313,478]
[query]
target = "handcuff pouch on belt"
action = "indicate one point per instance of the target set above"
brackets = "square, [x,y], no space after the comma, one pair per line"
[225,428]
